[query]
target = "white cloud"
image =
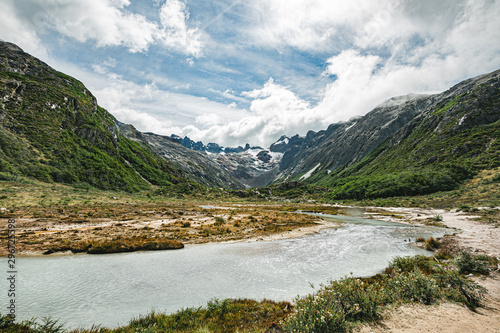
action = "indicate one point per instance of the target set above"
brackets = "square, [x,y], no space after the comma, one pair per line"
[152,109]
[176,34]
[312,24]
[208,119]
[460,46]
[105,22]
[428,47]
[371,49]
[19,31]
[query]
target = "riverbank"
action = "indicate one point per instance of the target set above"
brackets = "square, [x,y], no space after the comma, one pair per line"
[475,234]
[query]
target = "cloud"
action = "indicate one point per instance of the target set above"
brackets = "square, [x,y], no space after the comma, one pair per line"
[107,23]
[15,29]
[274,110]
[388,49]
[296,65]
[151,109]
[312,25]
[175,33]
[208,119]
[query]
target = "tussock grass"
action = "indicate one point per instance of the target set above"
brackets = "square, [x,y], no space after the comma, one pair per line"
[125,244]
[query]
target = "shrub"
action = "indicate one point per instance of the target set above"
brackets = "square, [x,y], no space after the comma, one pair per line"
[412,287]
[410,264]
[443,254]
[432,244]
[6,321]
[459,289]
[219,221]
[47,325]
[468,263]
[359,301]
[438,218]
[320,312]
[337,306]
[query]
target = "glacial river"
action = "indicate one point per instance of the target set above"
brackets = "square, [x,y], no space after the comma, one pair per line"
[111,289]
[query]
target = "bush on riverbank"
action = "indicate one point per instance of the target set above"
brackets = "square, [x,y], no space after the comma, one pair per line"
[338,306]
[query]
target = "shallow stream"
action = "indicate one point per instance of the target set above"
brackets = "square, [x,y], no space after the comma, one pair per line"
[110,289]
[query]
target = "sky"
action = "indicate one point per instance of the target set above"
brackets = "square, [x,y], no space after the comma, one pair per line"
[250,71]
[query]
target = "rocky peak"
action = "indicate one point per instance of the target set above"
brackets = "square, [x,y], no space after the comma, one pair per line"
[280,145]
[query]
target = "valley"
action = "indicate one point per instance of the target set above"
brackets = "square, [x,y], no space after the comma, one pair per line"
[78,181]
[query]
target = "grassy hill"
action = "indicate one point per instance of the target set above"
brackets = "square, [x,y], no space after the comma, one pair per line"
[52,129]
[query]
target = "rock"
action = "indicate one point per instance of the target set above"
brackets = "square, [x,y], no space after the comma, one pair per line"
[264,156]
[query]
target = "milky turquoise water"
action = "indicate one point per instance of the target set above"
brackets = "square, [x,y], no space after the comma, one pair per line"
[111,289]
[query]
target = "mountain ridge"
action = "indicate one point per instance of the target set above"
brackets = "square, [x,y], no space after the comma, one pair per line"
[52,129]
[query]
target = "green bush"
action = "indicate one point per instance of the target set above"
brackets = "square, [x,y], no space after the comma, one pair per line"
[432,244]
[412,263]
[404,183]
[414,287]
[320,312]
[459,289]
[339,305]
[468,263]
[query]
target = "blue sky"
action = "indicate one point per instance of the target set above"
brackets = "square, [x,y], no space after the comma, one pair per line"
[233,72]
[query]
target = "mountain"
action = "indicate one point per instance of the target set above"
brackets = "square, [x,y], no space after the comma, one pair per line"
[200,166]
[441,140]
[350,156]
[213,148]
[253,167]
[52,129]
[346,143]
[250,166]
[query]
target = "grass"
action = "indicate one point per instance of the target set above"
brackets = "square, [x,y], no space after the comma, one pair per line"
[480,191]
[120,244]
[55,217]
[338,306]
[238,315]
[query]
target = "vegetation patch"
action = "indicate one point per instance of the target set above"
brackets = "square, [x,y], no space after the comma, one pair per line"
[121,244]
[340,305]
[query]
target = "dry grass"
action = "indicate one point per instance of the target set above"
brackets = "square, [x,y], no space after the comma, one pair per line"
[46,224]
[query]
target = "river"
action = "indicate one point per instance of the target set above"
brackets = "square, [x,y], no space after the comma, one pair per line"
[111,289]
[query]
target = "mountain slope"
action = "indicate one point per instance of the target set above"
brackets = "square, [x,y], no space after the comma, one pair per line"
[457,135]
[52,129]
[345,143]
[198,165]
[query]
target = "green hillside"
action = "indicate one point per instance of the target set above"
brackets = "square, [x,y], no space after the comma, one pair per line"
[437,151]
[52,129]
